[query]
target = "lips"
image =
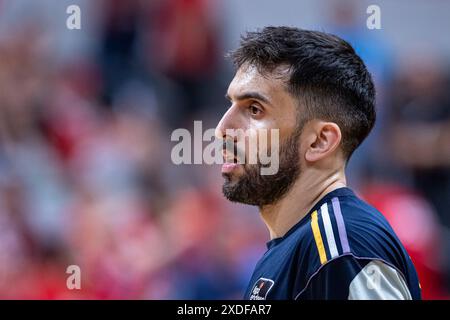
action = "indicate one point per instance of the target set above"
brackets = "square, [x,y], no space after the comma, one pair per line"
[229,167]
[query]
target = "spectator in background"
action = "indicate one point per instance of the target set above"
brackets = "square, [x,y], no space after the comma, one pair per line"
[420,129]
[119,39]
[416,224]
[419,135]
[184,46]
[347,19]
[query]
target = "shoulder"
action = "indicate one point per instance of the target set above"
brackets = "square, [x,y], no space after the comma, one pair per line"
[344,225]
[348,277]
[345,232]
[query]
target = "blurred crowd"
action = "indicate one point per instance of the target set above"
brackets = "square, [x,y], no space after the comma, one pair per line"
[85,171]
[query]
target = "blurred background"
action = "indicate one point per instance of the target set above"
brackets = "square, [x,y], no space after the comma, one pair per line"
[85,122]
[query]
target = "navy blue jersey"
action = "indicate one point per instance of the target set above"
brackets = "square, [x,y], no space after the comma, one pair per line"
[342,249]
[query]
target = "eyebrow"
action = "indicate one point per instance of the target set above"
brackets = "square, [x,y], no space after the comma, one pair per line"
[250,95]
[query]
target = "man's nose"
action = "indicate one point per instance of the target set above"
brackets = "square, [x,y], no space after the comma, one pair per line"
[229,121]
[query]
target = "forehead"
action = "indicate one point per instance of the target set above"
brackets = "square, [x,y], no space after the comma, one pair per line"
[248,78]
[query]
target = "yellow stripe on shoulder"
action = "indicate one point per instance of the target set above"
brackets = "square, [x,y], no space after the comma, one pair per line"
[318,237]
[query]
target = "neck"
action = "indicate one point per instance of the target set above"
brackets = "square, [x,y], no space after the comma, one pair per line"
[308,189]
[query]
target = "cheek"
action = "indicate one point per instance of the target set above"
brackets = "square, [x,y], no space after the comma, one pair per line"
[260,143]
[266,134]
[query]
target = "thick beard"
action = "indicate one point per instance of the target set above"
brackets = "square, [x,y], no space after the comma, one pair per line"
[259,190]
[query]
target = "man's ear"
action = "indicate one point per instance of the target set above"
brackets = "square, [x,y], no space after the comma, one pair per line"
[322,139]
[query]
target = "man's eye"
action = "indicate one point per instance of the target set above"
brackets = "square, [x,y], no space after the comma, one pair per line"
[254,110]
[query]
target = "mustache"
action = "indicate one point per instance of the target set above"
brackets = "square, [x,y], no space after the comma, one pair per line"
[231,147]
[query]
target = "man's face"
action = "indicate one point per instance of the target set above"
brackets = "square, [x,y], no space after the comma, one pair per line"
[259,103]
